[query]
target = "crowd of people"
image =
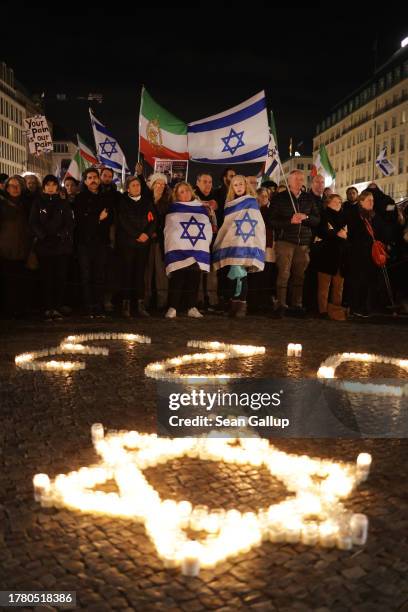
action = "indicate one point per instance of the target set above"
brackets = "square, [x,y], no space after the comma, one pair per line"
[235,249]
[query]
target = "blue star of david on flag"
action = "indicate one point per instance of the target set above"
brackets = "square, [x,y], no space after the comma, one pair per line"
[187,225]
[231,136]
[108,143]
[240,222]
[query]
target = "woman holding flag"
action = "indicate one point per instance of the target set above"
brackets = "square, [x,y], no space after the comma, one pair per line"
[187,239]
[239,247]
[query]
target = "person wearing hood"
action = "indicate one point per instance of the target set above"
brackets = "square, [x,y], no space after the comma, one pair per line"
[384,207]
[52,224]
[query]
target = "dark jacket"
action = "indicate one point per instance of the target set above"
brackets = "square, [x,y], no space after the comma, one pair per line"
[52,223]
[331,252]
[160,208]
[15,239]
[280,213]
[132,219]
[220,197]
[358,236]
[89,230]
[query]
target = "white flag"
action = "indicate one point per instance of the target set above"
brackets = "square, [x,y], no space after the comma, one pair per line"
[236,136]
[108,150]
[384,164]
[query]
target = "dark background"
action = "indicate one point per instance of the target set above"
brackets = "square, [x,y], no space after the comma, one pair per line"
[199,60]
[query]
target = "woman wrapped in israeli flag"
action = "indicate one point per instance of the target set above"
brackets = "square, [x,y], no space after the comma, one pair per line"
[239,247]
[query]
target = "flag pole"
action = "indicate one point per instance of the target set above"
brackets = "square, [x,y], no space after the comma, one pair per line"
[140,122]
[286,183]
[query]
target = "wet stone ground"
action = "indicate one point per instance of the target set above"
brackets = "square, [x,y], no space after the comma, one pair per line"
[110,563]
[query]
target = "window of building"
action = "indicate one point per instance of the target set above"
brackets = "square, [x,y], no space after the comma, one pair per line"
[392,145]
[300,166]
[401,165]
[394,121]
[403,117]
[381,84]
[405,69]
[378,128]
[385,125]
[402,142]
[397,73]
[389,79]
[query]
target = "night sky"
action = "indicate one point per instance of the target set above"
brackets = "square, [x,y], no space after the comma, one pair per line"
[199,61]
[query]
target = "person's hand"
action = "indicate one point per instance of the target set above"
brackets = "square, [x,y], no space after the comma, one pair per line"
[103,215]
[212,204]
[342,234]
[142,238]
[139,168]
[302,216]
[295,220]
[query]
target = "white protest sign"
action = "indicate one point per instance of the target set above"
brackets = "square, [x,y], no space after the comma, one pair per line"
[38,134]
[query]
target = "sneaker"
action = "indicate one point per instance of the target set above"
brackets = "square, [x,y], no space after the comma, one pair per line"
[171,313]
[48,315]
[194,313]
[56,315]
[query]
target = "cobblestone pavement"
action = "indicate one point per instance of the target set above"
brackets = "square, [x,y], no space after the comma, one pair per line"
[110,563]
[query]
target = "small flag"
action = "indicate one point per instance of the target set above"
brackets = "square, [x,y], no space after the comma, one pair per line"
[323,166]
[108,150]
[83,159]
[384,164]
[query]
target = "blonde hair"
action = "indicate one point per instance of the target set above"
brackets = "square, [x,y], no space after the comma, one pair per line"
[231,195]
[183,184]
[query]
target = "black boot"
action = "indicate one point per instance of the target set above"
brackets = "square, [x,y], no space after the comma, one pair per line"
[241,309]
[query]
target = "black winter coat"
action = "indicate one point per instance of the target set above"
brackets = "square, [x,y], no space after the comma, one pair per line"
[132,219]
[280,213]
[15,237]
[52,223]
[89,230]
[331,253]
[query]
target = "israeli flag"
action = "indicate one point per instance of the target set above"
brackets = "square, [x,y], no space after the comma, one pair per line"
[241,238]
[237,136]
[108,150]
[384,164]
[187,236]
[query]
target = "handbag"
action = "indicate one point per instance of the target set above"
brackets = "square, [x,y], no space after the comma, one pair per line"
[378,253]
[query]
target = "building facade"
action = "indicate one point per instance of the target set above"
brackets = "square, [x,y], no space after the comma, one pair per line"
[15,105]
[299,162]
[360,126]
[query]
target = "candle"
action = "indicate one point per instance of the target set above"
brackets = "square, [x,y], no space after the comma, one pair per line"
[359,528]
[97,432]
[41,484]
[190,565]
[298,350]
[363,465]
[310,534]
[327,534]
[291,349]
